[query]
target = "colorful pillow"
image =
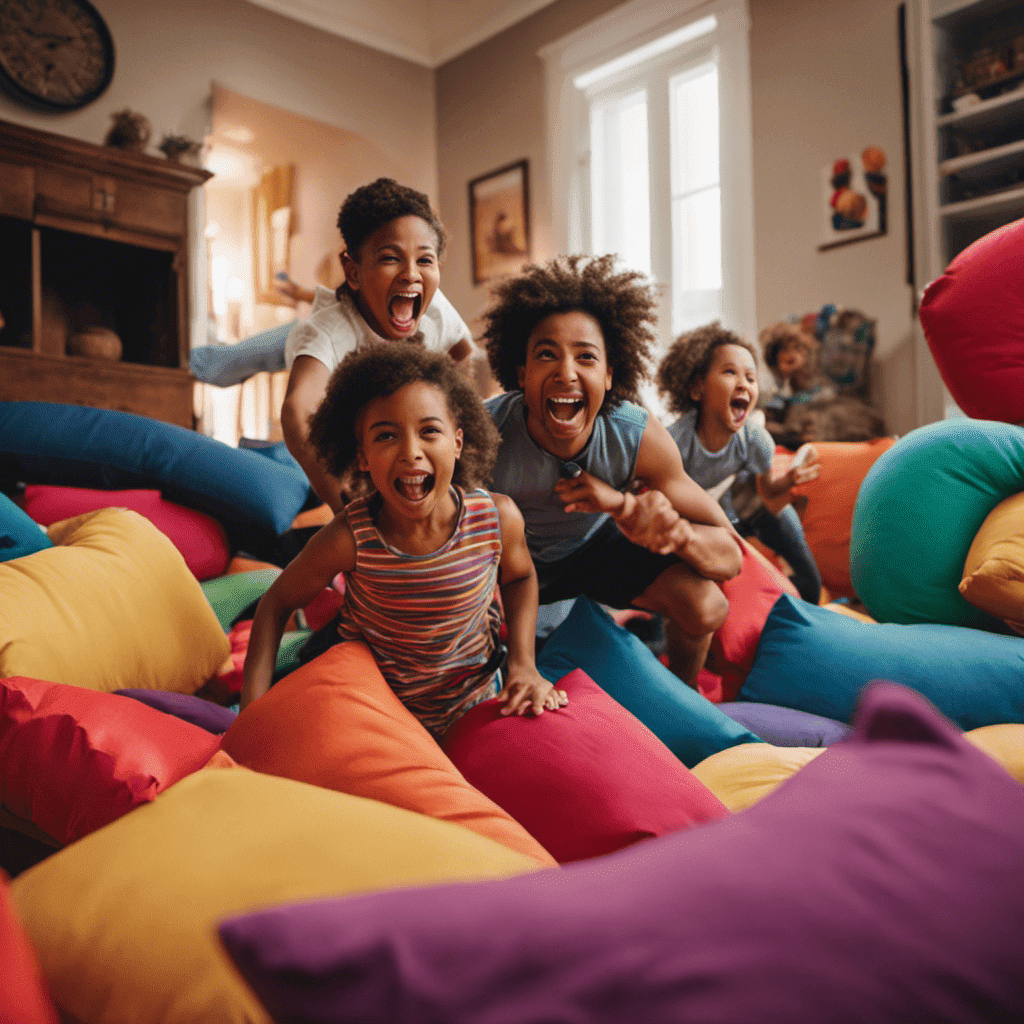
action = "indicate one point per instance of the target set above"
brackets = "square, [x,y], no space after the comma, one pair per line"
[199,537]
[188,707]
[336,723]
[751,595]
[973,318]
[589,778]
[816,661]
[881,882]
[994,568]
[45,442]
[785,727]
[124,921]
[73,760]
[626,669]
[231,595]
[23,996]
[828,514]
[742,776]
[111,606]
[19,534]
[917,513]
[1004,744]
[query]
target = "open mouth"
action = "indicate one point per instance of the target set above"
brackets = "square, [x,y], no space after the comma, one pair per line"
[739,407]
[415,487]
[564,409]
[404,310]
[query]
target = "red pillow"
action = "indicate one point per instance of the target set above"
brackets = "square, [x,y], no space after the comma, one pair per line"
[751,596]
[586,780]
[23,996]
[199,537]
[73,760]
[973,318]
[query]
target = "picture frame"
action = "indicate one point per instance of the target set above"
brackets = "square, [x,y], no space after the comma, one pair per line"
[272,231]
[499,222]
[854,199]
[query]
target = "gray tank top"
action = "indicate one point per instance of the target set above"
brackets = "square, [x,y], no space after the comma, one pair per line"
[528,473]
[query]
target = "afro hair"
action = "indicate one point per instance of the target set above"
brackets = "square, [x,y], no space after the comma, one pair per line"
[378,370]
[622,302]
[687,362]
[784,335]
[380,202]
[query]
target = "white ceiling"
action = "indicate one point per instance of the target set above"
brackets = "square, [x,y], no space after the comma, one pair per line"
[428,32]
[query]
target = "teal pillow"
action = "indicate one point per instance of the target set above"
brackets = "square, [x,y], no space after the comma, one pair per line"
[813,660]
[916,515]
[625,668]
[19,533]
[230,595]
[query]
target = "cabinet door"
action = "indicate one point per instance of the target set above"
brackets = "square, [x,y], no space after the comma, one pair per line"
[142,207]
[17,190]
[68,192]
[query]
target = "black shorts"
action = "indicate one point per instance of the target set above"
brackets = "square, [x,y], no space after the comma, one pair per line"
[608,569]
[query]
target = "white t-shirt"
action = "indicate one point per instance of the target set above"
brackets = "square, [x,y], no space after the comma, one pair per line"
[336,327]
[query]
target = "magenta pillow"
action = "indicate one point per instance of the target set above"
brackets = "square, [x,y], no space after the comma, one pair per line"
[199,537]
[973,318]
[73,760]
[588,779]
[880,883]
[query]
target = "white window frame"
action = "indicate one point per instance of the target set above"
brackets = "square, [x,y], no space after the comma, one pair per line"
[622,31]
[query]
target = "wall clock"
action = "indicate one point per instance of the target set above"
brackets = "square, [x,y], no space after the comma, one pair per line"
[55,55]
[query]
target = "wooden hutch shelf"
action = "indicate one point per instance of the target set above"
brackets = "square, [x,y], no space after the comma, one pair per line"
[94,236]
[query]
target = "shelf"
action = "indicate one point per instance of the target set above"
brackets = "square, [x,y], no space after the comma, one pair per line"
[954,15]
[995,112]
[984,163]
[996,203]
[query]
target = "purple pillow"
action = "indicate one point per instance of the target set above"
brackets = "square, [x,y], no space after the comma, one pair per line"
[785,727]
[882,882]
[197,710]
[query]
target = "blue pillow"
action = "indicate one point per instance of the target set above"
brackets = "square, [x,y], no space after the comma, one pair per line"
[276,451]
[19,533]
[625,668]
[811,659]
[44,442]
[225,365]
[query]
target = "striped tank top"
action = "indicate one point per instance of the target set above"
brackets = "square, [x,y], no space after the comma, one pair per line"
[431,620]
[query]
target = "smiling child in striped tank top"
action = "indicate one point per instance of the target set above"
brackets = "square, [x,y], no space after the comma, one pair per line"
[425,552]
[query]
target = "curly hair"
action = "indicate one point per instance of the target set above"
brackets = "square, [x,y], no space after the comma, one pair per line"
[782,335]
[380,202]
[687,362]
[622,302]
[379,370]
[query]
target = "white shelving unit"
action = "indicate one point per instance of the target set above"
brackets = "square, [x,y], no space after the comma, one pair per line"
[967,161]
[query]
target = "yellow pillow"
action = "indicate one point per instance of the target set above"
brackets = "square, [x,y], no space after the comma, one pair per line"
[124,921]
[994,570]
[112,606]
[1003,743]
[740,776]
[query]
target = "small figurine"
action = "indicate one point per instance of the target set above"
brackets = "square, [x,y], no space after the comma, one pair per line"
[179,147]
[131,131]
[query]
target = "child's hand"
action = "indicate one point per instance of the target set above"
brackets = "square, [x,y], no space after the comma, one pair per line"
[527,690]
[650,521]
[587,493]
[805,466]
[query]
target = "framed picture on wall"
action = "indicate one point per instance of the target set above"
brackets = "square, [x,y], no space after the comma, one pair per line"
[272,232]
[854,198]
[499,220]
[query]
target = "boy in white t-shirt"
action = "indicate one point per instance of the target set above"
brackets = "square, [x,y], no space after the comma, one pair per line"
[393,244]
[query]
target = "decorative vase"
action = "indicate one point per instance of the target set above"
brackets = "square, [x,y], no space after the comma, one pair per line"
[95,343]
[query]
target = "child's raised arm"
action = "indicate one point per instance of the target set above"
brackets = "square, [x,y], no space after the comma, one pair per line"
[803,469]
[329,551]
[525,688]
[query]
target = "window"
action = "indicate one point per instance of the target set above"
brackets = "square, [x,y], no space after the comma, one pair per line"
[651,159]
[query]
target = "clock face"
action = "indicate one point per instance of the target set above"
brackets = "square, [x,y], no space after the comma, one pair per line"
[54,54]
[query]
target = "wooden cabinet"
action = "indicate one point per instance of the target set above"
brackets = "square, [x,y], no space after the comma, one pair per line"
[94,236]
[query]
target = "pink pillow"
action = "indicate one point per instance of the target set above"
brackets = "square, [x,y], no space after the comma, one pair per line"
[73,760]
[585,780]
[751,594]
[23,996]
[199,537]
[973,318]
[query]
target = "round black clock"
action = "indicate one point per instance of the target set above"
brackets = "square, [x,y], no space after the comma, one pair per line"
[54,54]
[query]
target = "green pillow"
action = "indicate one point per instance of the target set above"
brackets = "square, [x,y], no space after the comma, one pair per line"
[916,515]
[19,533]
[230,595]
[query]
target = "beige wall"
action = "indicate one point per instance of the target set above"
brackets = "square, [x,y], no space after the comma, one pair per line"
[824,81]
[170,51]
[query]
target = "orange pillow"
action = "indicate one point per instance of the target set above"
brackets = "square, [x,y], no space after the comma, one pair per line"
[336,723]
[830,500]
